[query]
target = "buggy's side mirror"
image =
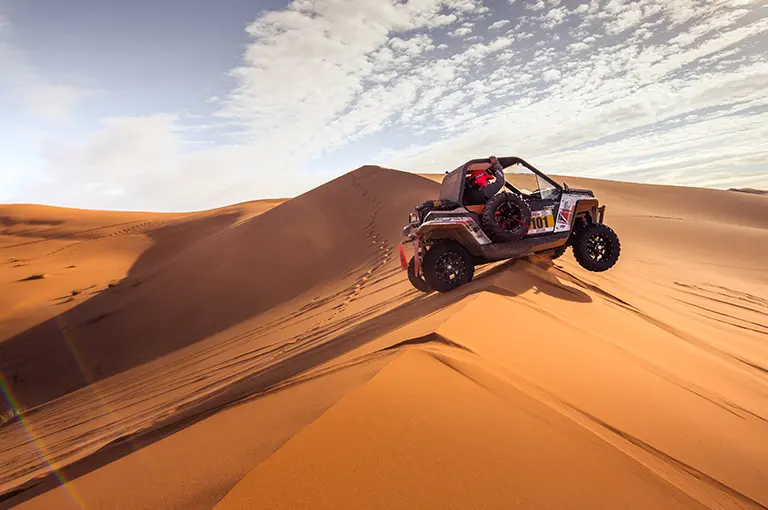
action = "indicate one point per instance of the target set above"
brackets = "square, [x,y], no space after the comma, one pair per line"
[565,187]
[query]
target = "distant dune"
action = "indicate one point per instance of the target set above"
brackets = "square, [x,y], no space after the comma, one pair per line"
[273,355]
[750,190]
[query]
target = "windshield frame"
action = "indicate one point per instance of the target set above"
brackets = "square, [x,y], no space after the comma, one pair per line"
[545,184]
[554,187]
[512,161]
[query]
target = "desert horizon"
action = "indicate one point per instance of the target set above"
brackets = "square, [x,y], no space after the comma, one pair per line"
[261,354]
[346,254]
[435,176]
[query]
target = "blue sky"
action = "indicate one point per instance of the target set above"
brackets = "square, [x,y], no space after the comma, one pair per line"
[171,105]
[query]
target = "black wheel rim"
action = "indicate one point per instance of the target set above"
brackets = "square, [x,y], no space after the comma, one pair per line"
[598,247]
[508,217]
[450,267]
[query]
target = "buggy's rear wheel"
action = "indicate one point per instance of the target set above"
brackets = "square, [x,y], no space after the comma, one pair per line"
[447,266]
[418,281]
[596,247]
[506,217]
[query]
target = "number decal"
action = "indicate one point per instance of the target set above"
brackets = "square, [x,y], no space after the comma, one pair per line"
[541,221]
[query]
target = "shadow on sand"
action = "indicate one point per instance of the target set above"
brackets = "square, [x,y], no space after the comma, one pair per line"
[64,353]
[370,326]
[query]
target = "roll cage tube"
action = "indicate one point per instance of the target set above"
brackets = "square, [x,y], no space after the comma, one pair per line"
[512,161]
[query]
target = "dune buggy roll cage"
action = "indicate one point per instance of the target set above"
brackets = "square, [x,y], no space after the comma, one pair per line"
[452,188]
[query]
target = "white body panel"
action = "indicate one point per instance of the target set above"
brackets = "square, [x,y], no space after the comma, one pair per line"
[464,221]
[565,212]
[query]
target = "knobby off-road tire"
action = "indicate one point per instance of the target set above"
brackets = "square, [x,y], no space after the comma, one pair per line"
[448,266]
[596,247]
[418,282]
[506,217]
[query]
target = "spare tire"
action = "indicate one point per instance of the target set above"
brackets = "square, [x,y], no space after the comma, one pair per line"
[506,217]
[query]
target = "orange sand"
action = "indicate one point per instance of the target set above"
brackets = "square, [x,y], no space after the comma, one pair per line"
[282,360]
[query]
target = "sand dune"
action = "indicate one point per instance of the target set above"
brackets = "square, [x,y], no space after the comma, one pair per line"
[447,435]
[91,265]
[750,190]
[281,360]
[84,251]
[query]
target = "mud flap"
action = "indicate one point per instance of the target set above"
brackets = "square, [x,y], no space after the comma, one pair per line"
[416,260]
[403,257]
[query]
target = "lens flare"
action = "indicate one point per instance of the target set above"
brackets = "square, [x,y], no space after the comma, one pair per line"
[5,389]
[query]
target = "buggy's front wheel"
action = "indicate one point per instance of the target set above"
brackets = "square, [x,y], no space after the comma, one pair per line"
[448,266]
[596,247]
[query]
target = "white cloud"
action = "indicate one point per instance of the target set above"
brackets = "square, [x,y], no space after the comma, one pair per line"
[412,46]
[124,148]
[632,89]
[145,163]
[49,102]
[636,89]
[461,32]
[578,46]
[337,43]
[499,24]
[707,27]
[626,19]
[554,17]
[317,76]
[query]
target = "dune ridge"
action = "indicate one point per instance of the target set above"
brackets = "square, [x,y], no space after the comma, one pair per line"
[320,469]
[538,384]
[750,190]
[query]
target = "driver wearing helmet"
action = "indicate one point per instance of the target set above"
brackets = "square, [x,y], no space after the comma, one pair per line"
[482,184]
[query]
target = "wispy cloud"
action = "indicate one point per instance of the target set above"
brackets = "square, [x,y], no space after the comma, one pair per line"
[668,91]
[49,102]
[648,107]
[53,103]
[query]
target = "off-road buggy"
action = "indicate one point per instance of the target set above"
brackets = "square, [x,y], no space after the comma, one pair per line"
[451,238]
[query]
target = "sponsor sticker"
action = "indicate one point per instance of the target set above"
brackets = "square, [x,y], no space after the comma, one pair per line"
[541,221]
[565,212]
